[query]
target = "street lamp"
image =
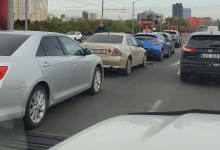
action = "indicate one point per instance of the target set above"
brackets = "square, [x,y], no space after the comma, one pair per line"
[133,17]
[161,20]
[149,12]
[26,9]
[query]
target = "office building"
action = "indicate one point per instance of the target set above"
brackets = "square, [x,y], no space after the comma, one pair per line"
[93,16]
[177,10]
[85,15]
[156,17]
[207,21]
[37,10]
[186,12]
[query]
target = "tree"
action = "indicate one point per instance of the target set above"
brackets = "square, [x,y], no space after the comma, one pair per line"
[62,16]
[83,26]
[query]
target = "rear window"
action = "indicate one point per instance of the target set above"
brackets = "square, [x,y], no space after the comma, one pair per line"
[71,33]
[145,37]
[105,38]
[9,43]
[164,35]
[171,32]
[204,41]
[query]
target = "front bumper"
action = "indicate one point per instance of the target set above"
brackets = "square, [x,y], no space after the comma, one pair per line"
[12,102]
[114,62]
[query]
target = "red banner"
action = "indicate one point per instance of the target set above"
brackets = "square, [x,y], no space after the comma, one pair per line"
[147,25]
[3,14]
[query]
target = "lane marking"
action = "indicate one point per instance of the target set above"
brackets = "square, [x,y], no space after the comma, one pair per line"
[178,73]
[155,106]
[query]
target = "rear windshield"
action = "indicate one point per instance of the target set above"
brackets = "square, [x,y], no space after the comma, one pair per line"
[164,35]
[105,38]
[170,32]
[145,37]
[9,43]
[204,41]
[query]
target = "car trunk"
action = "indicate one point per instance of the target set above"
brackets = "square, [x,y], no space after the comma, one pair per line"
[147,40]
[100,49]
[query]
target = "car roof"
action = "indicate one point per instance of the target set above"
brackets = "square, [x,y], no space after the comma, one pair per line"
[171,30]
[206,33]
[154,33]
[114,33]
[29,32]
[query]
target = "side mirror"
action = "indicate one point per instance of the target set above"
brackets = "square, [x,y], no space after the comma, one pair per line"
[88,51]
[141,45]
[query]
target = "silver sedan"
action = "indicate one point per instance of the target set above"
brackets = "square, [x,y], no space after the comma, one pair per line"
[41,69]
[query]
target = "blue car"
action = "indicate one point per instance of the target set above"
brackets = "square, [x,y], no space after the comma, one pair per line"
[155,44]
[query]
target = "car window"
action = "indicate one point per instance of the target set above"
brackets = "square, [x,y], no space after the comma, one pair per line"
[129,42]
[40,51]
[52,46]
[145,37]
[134,41]
[162,37]
[204,41]
[105,38]
[6,40]
[72,47]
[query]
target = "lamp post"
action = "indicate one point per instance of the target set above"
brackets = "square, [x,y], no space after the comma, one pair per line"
[133,17]
[149,12]
[161,20]
[168,22]
[26,9]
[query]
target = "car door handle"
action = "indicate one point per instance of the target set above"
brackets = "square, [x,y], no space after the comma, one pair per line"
[74,61]
[46,64]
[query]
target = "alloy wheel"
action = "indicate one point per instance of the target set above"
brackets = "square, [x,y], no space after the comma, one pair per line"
[129,66]
[97,80]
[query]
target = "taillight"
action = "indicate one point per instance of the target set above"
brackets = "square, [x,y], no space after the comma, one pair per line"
[116,52]
[109,51]
[156,42]
[189,50]
[3,71]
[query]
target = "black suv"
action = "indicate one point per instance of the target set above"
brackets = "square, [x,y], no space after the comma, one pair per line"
[201,56]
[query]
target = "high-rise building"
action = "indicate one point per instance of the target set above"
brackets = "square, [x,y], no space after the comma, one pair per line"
[178,10]
[85,15]
[156,17]
[37,10]
[186,12]
[93,16]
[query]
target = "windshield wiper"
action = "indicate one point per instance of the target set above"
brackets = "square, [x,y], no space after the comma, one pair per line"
[175,113]
[214,45]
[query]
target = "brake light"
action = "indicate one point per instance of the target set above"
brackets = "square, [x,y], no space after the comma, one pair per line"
[156,42]
[109,51]
[3,71]
[116,52]
[189,50]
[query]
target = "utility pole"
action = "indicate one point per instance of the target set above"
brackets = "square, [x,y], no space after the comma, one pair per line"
[102,9]
[177,24]
[133,20]
[160,22]
[26,9]
[168,22]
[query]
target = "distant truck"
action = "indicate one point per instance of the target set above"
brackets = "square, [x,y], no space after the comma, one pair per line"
[212,28]
[182,30]
[171,27]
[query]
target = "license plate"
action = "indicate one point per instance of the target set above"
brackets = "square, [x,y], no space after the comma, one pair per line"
[99,51]
[209,55]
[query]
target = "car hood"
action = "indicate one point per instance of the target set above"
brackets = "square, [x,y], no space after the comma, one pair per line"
[191,131]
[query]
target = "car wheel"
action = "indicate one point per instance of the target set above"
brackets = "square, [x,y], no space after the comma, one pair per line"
[36,108]
[184,77]
[173,50]
[161,56]
[127,70]
[169,54]
[75,39]
[96,82]
[143,65]
[80,40]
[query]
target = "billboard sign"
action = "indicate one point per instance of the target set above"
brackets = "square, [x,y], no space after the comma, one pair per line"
[3,14]
[147,25]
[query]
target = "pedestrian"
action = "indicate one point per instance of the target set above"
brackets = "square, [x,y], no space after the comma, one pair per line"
[101,28]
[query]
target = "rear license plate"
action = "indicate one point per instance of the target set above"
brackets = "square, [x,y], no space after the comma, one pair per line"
[99,51]
[209,55]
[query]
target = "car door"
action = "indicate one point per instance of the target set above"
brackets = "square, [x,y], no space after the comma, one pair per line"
[55,65]
[132,49]
[165,45]
[82,65]
[140,53]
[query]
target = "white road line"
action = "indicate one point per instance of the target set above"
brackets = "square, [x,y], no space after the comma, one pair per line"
[155,106]
[178,72]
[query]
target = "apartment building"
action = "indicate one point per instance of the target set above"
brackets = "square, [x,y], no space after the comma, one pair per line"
[37,10]
[93,16]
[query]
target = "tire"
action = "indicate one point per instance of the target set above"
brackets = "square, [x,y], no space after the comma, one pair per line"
[35,108]
[127,70]
[184,77]
[178,45]
[80,40]
[161,56]
[173,50]
[169,54]
[96,82]
[143,65]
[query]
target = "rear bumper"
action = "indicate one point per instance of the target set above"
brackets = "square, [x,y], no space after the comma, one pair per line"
[200,70]
[114,62]
[153,51]
[12,102]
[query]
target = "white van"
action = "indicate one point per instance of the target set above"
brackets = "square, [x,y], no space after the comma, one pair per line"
[212,28]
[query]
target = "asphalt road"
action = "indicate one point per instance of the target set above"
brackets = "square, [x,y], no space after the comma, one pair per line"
[154,88]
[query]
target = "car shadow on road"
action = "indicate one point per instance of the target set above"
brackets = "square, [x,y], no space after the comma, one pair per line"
[204,81]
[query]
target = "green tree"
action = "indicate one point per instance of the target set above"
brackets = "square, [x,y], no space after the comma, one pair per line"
[83,26]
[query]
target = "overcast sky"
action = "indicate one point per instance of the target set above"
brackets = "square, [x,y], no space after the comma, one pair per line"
[200,8]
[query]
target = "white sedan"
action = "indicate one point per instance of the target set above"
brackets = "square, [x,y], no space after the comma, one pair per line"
[75,35]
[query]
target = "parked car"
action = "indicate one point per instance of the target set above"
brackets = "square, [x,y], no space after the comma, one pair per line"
[196,130]
[176,36]
[117,51]
[201,56]
[76,35]
[155,44]
[41,69]
[169,38]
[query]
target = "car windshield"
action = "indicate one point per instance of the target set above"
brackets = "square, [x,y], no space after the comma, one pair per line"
[145,37]
[109,74]
[71,33]
[205,41]
[105,38]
